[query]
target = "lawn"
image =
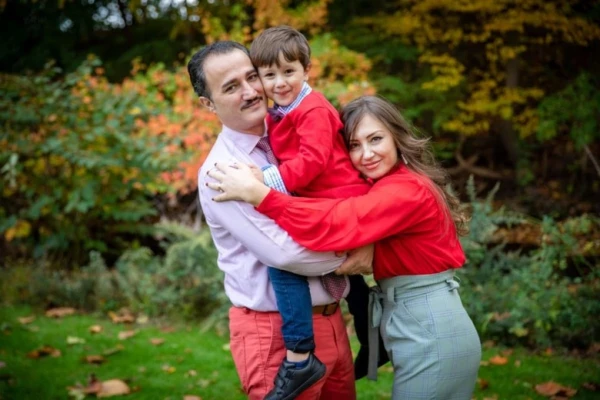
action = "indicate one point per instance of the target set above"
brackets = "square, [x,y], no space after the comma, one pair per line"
[189,362]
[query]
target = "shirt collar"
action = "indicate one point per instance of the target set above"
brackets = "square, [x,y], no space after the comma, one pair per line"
[306,89]
[244,141]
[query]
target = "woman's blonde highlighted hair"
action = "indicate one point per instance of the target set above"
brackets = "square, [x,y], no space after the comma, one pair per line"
[414,151]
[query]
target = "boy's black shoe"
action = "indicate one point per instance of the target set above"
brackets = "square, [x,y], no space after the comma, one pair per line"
[291,381]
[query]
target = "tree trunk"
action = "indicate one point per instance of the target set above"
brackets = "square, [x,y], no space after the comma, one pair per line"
[508,135]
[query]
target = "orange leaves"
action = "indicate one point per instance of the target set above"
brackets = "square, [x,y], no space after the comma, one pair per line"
[44,351]
[551,388]
[26,320]
[123,335]
[108,388]
[94,359]
[19,230]
[60,312]
[123,316]
[498,360]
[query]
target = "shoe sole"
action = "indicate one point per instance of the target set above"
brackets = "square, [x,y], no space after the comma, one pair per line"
[309,382]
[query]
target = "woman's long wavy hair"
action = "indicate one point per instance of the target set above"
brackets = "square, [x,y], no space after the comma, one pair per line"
[415,151]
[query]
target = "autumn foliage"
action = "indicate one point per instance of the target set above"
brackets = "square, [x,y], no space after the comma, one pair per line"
[85,159]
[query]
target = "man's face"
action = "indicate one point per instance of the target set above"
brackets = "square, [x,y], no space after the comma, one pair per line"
[237,95]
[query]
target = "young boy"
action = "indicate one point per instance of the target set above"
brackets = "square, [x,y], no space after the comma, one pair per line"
[304,134]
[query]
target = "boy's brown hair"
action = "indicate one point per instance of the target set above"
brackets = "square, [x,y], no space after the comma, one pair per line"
[283,39]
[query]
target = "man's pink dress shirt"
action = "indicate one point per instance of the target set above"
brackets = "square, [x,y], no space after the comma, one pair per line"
[247,241]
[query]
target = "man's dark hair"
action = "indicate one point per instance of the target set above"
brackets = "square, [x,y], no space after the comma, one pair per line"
[196,64]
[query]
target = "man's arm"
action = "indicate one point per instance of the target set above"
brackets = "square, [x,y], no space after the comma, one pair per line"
[263,237]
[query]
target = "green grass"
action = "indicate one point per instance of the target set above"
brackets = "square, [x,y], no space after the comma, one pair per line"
[145,367]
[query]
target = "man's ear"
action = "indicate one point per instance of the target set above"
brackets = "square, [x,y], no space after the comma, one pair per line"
[206,102]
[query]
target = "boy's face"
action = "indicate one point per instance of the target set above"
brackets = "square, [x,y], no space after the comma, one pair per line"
[283,84]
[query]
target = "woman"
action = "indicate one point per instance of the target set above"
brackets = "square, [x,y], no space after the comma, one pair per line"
[414,222]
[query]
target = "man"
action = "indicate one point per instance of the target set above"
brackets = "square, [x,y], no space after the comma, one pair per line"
[228,85]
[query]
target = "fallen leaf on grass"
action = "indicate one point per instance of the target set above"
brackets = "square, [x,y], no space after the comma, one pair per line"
[167,329]
[60,312]
[191,397]
[142,319]
[113,387]
[31,328]
[488,344]
[483,384]
[2,364]
[122,317]
[157,341]
[506,352]
[484,363]
[75,340]
[26,320]
[43,352]
[191,372]
[517,363]
[126,334]
[592,387]
[168,369]
[113,350]
[204,383]
[94,359]
[80,392]
[551,388]
[498,360]
[95,329]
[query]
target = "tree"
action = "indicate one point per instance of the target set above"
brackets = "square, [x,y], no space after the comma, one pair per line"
[494,54]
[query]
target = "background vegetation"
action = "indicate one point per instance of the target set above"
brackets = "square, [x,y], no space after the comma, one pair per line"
[102,137]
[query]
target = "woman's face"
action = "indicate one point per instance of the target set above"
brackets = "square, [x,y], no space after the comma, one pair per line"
[372,148]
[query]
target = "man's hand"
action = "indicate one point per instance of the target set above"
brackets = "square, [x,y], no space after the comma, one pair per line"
[359,261]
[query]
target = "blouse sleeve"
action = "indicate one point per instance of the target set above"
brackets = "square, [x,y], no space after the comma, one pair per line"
[393,205]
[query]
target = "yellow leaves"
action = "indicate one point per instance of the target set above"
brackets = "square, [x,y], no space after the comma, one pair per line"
[135,111]
[21,229]
[447,70]
[508,52]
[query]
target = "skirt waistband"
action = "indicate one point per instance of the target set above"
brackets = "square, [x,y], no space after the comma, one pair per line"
[415,282]
[388,290]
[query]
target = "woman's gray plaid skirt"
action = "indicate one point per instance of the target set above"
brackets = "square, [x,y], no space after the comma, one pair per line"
[429,337]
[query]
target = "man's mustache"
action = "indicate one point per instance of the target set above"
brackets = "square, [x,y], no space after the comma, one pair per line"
[251,102]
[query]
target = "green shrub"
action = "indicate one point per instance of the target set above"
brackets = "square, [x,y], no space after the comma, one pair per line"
[526,297]
[77,173]
[185,282]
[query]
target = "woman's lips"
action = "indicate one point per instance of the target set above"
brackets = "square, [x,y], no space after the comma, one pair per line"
[371,166]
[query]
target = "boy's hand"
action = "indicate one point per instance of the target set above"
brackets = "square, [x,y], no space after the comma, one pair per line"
[359,261]
[257,172]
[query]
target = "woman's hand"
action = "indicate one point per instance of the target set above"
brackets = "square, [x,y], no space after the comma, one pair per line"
[236,182]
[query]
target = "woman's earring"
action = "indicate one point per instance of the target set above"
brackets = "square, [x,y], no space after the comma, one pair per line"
[404,159]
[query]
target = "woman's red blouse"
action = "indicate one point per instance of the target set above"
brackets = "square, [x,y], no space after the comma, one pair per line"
[413,232]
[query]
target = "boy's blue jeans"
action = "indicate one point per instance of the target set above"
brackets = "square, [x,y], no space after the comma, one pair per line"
[295,306]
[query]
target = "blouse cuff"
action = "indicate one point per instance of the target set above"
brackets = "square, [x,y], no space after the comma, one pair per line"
[274,204]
